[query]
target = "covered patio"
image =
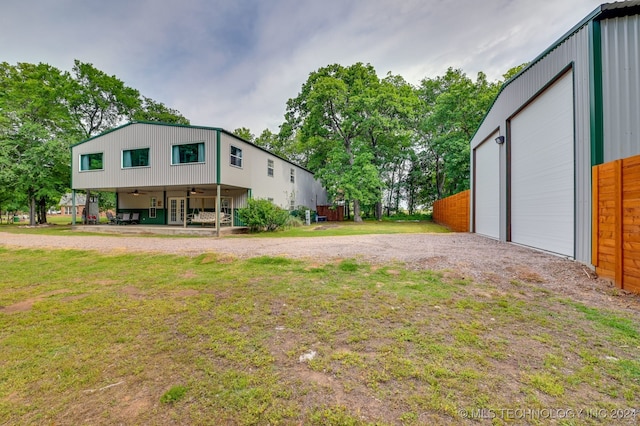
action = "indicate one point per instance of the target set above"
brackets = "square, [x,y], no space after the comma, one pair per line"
[174,210]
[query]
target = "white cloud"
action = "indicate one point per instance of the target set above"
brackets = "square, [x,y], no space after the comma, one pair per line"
[235,64]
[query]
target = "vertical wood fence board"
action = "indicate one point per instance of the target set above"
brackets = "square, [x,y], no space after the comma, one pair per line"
[453,211]
[616,222]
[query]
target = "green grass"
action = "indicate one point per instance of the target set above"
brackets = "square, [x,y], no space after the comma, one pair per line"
[88,338]
[351,228]
[61,226]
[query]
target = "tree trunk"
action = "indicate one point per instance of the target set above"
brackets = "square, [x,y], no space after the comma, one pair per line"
[378,211]
[356,211]
[32,210]
[42,210]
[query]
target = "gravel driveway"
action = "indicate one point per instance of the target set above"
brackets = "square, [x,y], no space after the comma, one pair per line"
[459,254]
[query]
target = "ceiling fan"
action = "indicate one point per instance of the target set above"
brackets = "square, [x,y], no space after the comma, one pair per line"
[136,193]
[194,191]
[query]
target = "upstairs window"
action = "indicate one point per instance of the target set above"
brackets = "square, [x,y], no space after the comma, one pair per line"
[292,176]
[91,162]
[236,156]
[135,158]
[188,153]
[270,168]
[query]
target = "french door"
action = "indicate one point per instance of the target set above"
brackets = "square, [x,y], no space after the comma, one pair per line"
[177,207]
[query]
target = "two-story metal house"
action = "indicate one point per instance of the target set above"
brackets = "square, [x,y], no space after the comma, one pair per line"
[166,172]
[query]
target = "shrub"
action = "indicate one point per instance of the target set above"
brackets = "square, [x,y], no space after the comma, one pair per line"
[262,215]
[294,222]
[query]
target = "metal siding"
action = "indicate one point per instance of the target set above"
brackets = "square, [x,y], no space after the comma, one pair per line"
[574,50]
[621,86]
[159,139]
[253,174]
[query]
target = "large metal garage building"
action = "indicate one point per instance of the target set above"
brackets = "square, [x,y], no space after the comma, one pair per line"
[574,106]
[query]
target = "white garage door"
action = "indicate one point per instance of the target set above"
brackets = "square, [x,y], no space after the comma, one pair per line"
[542,171]
[487,188]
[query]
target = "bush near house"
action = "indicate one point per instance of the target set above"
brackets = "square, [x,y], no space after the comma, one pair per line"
[263,215]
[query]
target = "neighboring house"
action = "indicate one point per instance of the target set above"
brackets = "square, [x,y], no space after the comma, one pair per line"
[68,206]
[574,106]
[166,172]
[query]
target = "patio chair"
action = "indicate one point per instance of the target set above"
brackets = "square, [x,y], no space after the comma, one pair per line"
[225,219]
[111,218]
[135,218]
[124,219]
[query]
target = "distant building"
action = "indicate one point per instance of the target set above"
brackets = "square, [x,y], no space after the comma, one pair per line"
[67,205]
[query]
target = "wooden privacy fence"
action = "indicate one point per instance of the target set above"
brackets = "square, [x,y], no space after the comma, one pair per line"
[616,222]
[332,213]
[453,211]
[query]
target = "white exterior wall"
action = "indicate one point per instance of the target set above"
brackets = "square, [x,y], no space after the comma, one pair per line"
[176,180]
[253,174]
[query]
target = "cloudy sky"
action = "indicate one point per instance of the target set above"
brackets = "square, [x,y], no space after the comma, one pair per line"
[230,64]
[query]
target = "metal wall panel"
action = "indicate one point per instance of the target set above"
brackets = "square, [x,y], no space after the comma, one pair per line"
[621,86]
[253,174]
[159,139]
[573,52]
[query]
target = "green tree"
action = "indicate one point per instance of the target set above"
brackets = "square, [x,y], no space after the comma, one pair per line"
[150,110]
[43,111]
[35,130]
[98,101]
[244,133]
[346,119]
[452,108]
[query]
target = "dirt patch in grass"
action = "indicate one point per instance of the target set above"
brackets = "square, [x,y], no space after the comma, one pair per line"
[27,304]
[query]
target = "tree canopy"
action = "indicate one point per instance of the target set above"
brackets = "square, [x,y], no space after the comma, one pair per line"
[381,141]
[376,143]
[43,110]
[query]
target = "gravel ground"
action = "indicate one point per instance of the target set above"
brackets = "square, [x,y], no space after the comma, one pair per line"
[460,254]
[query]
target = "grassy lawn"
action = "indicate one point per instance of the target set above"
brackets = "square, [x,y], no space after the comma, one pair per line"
[61,226]
[350,228]
[87,338]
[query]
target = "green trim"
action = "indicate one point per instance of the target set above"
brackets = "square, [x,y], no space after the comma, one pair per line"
[218,149]
[595,94]
[250,193]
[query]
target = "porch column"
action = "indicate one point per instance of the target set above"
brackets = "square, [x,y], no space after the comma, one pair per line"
[218,204]
[73,207]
